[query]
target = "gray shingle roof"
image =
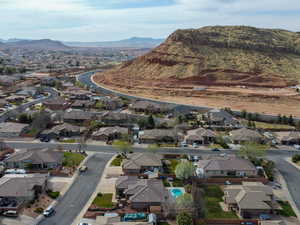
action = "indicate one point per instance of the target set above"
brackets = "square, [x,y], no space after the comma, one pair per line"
[137,160]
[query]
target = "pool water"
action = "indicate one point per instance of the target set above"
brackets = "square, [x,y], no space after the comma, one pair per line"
[176,192]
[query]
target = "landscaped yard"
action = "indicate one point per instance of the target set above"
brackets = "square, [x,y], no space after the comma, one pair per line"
[287,210]
[172,165]
[117,161]
[213,197]
[104,201]
[72,159]
[262,125]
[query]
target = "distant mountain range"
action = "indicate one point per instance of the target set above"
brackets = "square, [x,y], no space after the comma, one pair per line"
[134,42]
[46,44]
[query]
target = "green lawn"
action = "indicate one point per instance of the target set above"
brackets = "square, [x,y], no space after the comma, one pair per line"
[117,161]
[104,201]
[72,159]
[213,197]
[287,210]
[70,141]
[163,223]
[177,183]
[263,125]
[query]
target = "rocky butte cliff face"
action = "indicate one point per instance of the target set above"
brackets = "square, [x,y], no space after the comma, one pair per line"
[218,55]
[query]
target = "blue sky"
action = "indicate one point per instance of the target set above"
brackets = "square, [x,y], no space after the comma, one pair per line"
[100,20]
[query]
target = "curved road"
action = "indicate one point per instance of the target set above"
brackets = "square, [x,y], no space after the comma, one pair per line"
[70,205]
[85,78]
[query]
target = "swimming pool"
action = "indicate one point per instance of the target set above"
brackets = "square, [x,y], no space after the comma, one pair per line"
[176,192]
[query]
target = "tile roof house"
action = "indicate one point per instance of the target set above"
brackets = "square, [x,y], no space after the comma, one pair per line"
[10,130]
[58,103]
[109,133]
[139,162]
[226,167]
[244,135]
[201,136]
[36,159]
[63,130]
[222,118]
[111,103]
[149,107]
[250,199]
[120,119]
[3,103]
[292,138]
[146,193]
[77,116]
[82,104]
[18,189]
[123,182]
[160,136]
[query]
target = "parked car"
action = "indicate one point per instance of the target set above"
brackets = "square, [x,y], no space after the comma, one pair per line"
[83,169]
[184,144]
[10,213]
[49,211]
[195,145]
[227,182]
[84,224]
[216,150]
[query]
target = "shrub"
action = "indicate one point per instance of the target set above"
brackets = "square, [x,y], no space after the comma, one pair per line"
[296,158]
[38,210]
[53,194]
[184,219]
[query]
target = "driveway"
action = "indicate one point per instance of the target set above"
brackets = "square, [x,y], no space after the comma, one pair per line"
[74,200]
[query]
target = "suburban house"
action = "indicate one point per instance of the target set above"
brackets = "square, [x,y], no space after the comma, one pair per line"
[120,119]
[123,182]
[77,116]
[58,103]
[11,130]
[35,159]
[201,136]
[250,199]
[108,103]
[63,130]
[109,133]
[149,107]
[146,193]
[225,167]
[244,135]
[17,189]
[82,104]
[291,138]
[170,136]
[78,94]
[217,117]
[140,162]
[3,103]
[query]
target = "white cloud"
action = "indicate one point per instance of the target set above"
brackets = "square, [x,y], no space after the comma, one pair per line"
[79,20]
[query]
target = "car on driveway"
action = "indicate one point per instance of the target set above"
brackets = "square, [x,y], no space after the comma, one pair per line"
[83,169]
[49,211]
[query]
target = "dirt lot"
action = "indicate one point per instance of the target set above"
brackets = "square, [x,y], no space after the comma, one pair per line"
[262,100]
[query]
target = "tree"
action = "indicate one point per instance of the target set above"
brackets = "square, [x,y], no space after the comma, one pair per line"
[153,148]
[184,218]
[279,118]
[24,118]
[185,202]
[185,170]
[123,146]
[251,150]
[291,120]
[151,123]
[244,113]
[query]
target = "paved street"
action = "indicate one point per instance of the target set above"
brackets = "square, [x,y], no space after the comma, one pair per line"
[71,203]
[289,172]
